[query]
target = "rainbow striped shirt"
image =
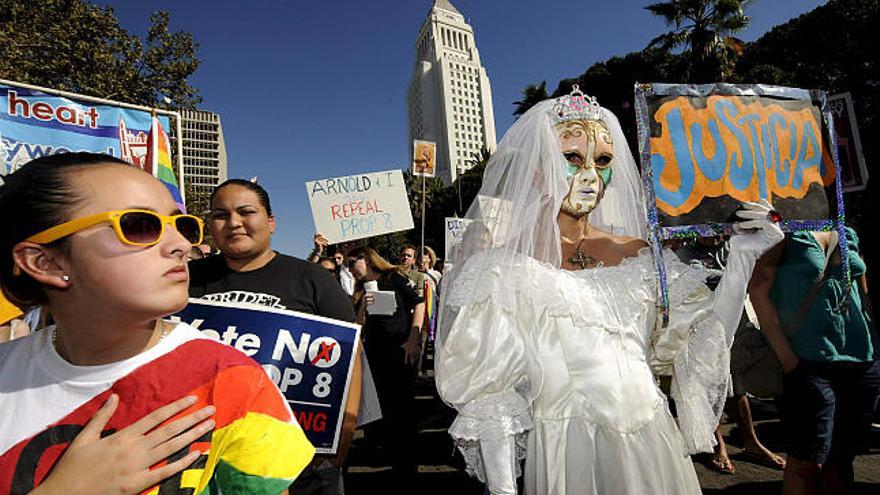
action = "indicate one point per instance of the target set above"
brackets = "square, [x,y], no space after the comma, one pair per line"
[256,446]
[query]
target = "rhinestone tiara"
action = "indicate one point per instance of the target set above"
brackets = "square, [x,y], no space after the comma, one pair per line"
[576,106]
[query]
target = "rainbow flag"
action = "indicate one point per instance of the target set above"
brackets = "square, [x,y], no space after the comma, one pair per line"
[256,447]
[159,158]
[430,307]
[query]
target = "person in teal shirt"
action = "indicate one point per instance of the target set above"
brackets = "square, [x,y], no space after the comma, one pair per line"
[829,353]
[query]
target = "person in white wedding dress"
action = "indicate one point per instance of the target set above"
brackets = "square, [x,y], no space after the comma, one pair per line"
[550,338]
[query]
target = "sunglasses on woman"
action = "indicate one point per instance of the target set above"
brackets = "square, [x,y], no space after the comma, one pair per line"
[140,228]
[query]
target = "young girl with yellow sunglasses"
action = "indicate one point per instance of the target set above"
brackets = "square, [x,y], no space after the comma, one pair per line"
[84,403]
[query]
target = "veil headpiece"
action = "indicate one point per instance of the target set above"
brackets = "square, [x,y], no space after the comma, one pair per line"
[576,106]
[514,214]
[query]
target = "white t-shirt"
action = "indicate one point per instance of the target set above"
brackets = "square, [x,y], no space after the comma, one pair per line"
[32,372]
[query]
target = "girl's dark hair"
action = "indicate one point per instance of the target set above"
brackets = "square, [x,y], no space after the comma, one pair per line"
[37,196]
[257,189]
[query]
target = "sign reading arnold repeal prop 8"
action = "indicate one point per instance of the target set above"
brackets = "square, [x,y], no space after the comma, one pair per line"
[712,146]
[358,206]
[310,358]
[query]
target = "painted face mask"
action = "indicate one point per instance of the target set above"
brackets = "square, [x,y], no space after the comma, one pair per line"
[589,152]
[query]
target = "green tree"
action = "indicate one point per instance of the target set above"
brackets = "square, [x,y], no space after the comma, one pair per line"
[468,184]
[75,46]
[169,60]
[532,95]
[198,203]
[704,29]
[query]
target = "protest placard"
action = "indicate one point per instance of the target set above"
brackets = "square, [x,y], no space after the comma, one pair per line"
[424,158]
[455,228]
[358,206]
[853,170]
[706,148]
[310,358]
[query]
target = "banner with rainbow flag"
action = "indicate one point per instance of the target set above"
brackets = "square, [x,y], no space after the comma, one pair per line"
[36,122]
[159,159]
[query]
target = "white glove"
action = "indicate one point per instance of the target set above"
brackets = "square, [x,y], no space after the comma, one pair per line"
[499,462]
[756,234]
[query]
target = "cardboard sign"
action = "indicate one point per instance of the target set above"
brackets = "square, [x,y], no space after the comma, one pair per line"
[359,206]
[853,170]
[424,158]
[310,358]
[455,228]
[706,148]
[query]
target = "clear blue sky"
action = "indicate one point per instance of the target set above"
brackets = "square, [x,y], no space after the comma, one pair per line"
[309,90]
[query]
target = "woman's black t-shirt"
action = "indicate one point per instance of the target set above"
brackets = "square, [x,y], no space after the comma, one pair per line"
[284,282]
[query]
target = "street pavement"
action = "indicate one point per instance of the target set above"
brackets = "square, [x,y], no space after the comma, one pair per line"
[441,469]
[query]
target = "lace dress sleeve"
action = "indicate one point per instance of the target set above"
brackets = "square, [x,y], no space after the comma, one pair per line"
[481,372]
[693,348]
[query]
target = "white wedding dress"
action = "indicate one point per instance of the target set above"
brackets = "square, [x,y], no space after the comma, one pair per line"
[558,367]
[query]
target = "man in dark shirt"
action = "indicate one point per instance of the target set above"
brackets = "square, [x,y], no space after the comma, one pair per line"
[408,264]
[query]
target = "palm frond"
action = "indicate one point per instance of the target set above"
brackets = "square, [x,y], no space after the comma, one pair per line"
[669,11]
[668,41]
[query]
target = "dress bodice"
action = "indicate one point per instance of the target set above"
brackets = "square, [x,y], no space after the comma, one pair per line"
[594,357]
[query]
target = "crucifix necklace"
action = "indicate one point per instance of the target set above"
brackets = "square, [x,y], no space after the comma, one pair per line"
[582,259]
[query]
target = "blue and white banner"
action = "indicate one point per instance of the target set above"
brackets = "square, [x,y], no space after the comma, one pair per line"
[310,358]
[35,124]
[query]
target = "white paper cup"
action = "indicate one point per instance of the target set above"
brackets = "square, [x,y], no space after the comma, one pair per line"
[371,286]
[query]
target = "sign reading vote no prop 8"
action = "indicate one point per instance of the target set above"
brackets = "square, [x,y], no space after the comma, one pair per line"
[310,358]
[359,206]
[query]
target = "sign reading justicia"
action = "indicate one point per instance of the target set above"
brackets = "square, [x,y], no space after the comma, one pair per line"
[710,147]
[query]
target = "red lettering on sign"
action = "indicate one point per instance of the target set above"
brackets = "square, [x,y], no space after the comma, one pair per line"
[355,208]
[312,421]
[70,117]
[43,111]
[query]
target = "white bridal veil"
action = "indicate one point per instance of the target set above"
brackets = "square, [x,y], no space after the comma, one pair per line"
[523,188]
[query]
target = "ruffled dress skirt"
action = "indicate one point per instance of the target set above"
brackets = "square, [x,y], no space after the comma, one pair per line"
[575,456]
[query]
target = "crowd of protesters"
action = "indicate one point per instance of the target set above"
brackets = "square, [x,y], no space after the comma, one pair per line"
[85,305]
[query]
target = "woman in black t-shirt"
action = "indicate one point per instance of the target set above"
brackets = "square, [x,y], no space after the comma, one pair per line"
[250,271]
[392,342]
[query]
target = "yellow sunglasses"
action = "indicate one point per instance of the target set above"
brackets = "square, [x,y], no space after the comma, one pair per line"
[133,227]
